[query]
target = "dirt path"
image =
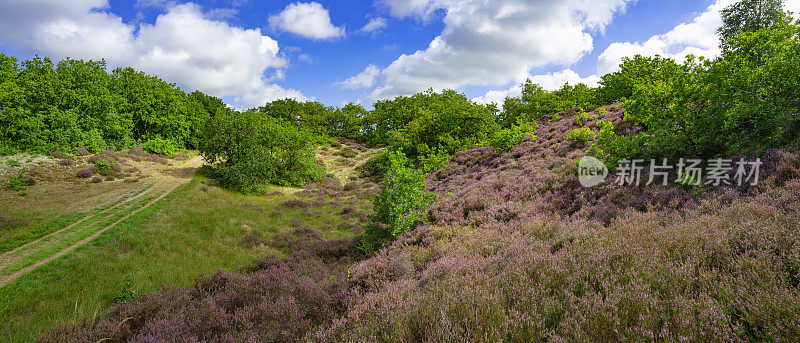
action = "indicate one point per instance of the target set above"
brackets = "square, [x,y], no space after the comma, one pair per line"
[24,259]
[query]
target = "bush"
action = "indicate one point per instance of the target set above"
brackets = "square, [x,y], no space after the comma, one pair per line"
[54,106]
[507,138]
[536,102]
[85,173]
[402,204]
[248,151]
[104,160]
[375,168]
[81,151]
[582,135]
[18,183]
[160,146]
[444,123]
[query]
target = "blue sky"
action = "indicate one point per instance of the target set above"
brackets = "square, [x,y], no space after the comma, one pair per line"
[249,52]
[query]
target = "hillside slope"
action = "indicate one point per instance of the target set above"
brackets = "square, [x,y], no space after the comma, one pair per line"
[516,250]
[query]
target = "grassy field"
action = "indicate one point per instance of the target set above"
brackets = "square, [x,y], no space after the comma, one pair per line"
[196,230]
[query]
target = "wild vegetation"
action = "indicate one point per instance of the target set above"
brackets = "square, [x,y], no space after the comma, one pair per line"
[434,218]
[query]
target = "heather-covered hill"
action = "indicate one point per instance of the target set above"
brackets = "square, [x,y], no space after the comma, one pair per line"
[519,251]
[516,250]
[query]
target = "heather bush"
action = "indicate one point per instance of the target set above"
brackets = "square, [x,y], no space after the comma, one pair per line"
[650,276]
[81,151]
[294,204]
[277,304]
[250,241]
[66,162]
[85,173]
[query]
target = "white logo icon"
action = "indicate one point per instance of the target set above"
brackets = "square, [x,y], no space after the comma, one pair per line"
[591,171]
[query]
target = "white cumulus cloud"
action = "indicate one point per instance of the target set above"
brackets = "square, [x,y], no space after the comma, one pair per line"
[487,43]
[550,82]
[365,79]
[182,46]
[698,37]
[306,19]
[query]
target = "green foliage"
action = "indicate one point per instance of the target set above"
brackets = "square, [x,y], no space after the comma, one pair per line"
[314,117]
[345,122]
[375,168]
[433,160]
[743,102]
[447,119]
[13,163]
[46,106]
[17,183]
[402,204]
[506,139]
[583,117]
[537,102]
[750,16]
[249,150]
[443,122]
[126,292]
[635,71]
[104,163]
[161,146]
[583,135]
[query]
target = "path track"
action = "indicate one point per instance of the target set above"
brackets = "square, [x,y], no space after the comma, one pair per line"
[31,255]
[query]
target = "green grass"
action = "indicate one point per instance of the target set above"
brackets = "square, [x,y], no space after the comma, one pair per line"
[10,239]
[187,234]
[27,233]
[78,233]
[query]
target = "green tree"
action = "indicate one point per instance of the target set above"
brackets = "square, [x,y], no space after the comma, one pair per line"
[536,102]
[633,72]
[248,151]
[750,16]
[402,204]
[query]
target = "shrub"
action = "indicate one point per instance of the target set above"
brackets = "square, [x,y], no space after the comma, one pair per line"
[160,146]
[104,161]
[81,151]
[18,183]
[250,241]
[536,102]
[375,168]
[507,138]
[97,179]
[66,162]
[582,135]
[85,173]
[401,205]
[248,151]
[57,154]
